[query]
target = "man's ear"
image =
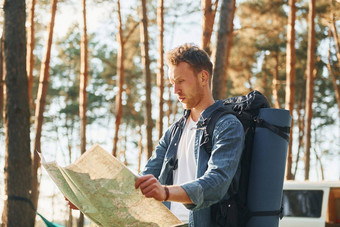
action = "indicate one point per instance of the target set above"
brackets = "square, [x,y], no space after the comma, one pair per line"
[204,77]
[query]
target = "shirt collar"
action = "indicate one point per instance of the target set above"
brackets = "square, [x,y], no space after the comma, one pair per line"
[207,112]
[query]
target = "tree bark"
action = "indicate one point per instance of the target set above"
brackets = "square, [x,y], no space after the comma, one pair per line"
[18,164]
[309,85]
[83,83]
[169,104]
[160,64]
[70,214]
[336,87]
[30,55]
[332,30]
[208,23]
[301,126]
[331,73]
[140,148]
[41,100]
[2,79]
[120,80]
[70,218]
[276,84]
[225,31]
[290,80]
[335,36]
[321,165]
[147,77]
[83,93]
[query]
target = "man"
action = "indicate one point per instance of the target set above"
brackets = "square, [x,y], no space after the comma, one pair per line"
[180,172]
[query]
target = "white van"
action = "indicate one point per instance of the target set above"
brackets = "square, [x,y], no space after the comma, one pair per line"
[311,204]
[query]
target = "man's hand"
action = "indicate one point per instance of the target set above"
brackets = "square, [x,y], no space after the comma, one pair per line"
[71,205]
[150,187]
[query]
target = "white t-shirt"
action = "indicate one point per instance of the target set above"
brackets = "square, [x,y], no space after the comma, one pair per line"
[187,166]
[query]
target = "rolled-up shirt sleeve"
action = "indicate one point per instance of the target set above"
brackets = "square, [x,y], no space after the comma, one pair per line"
[212,186]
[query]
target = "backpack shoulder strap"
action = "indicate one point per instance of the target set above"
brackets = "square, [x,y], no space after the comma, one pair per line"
[179,123]
[209,125]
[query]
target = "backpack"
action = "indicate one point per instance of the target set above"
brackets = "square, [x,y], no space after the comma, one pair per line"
[234,212]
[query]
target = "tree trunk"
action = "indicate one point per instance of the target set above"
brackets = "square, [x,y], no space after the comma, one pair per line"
[264,77]
[335,35]
[175,110]
[125,145]
[318,159]
[80,222]
[147,77]
[309,85]
[70,214]
[83,83]
[276,84]
[120,80]
[169,104]
[82,93]
[30,55]
[225,31]
[301,126]
[230,43]
[332,29]
[41,100]
[2,79]
[70,218]
[331,73]
[140,148]
[336,87]
[290,81]
[18,164]
[208,23]
[160,63]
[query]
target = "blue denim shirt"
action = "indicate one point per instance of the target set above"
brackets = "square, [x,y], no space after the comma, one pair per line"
[214,172]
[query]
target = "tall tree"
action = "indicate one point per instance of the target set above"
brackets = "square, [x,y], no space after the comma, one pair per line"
[2,78]
[82,92]
[169,104]
[332,30]
[208,19]
[276,84]
[147,76]
[160,64]
[121,57]
[83,82]
[334,79]
[224,36]
[41,100]
[140,148]
[18,164]
[30,48]
[120,79]
[290,80]
[309,84]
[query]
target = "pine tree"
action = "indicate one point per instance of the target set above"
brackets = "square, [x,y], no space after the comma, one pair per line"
[18,165]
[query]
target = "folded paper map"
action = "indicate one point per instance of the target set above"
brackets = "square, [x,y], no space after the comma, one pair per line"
[103,189]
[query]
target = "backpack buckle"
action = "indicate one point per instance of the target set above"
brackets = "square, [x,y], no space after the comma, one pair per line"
[258,121]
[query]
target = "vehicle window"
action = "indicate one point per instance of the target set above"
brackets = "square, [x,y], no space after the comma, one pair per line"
[302,203]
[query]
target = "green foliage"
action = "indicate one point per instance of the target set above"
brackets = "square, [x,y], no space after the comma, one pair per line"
[261,36]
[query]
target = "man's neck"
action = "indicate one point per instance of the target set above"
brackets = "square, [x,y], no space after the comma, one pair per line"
[196,111]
